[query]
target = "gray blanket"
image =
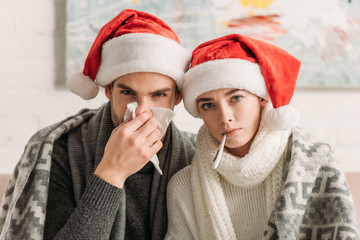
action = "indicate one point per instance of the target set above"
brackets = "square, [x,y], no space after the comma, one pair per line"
[315,201]
[24,205]
[23,211]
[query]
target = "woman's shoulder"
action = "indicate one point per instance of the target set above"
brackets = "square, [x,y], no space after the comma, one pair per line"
[308,142]
[179,185]
[306,135]
[309,151]
[181,179]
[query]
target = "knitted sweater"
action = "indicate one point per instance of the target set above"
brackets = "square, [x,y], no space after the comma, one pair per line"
[313,200]
[70,201]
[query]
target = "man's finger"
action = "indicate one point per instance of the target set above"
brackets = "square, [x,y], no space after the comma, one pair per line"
[147,128]
[134,124]
[152,137]
[128,119]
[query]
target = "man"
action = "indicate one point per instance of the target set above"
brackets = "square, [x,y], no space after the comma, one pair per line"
[89,176]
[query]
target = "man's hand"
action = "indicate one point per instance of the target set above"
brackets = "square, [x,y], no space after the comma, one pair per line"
[130,146]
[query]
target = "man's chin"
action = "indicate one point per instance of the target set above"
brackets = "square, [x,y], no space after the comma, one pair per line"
[116,122]
[115,119]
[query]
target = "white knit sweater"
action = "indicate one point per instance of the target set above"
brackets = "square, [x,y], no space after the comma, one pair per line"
[232,202]
[247,209]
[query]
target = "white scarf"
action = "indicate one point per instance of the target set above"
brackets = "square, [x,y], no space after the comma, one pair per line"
[214,221]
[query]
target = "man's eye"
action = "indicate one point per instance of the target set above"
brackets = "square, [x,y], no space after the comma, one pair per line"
[126,92]
[159,94]
[207,106]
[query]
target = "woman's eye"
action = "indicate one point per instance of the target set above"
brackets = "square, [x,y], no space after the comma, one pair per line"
[207,106]
[236,98]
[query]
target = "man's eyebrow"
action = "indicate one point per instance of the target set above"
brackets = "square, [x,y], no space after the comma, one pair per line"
[161,90]
[121,85]
[124,86]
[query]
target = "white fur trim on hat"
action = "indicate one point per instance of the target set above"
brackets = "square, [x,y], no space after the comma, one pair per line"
[142,52]
[222,73]
[82,86]
[282,118]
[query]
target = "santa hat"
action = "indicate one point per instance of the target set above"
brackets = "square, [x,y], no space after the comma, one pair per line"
[236,61]
[133,41]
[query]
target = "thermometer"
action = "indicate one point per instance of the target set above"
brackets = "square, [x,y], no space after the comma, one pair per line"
[218,154]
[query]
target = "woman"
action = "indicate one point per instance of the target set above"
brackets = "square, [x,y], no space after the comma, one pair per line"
[273,180]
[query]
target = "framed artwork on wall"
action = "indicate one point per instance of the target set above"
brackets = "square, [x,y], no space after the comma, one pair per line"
[323,34]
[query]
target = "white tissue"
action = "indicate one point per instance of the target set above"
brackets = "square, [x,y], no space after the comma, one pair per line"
[163,117]
[130,108]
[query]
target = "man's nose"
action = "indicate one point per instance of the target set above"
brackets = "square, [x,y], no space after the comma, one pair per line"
[143,105]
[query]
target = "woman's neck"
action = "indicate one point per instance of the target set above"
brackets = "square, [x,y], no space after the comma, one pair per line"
[241,151]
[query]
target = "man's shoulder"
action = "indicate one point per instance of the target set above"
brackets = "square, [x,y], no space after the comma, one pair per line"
[183,144]
[187,139]
[190,136]
[65,125]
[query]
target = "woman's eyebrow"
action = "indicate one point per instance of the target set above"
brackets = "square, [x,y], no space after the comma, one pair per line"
[226,94]
[203,100]
[232,91]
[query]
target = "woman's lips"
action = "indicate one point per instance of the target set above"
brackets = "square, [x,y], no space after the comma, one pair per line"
[231,132]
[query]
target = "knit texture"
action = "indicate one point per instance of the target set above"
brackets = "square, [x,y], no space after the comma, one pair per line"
[250,207]
[22,214]
[313,200]
[81,205]
[247,209]
[252,169]
[246,172]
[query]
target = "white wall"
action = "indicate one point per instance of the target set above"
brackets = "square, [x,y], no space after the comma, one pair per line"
[32,41]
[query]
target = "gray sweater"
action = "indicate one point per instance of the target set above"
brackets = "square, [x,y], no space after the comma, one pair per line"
[82,206]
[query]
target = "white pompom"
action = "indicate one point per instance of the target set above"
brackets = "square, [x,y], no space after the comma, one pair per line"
[282,118]
[83,86]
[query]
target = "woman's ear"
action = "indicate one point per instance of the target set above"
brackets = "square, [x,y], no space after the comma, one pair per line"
[263,102]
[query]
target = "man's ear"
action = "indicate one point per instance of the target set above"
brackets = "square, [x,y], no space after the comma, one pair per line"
[108,90]
[178,97]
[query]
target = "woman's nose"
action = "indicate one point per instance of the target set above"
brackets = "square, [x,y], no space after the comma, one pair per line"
[226,115]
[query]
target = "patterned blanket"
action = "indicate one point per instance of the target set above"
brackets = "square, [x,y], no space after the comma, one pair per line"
[315,202]
[315,195]
[24,205]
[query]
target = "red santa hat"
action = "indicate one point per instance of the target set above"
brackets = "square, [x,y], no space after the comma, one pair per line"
[236,61]
[133,41]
